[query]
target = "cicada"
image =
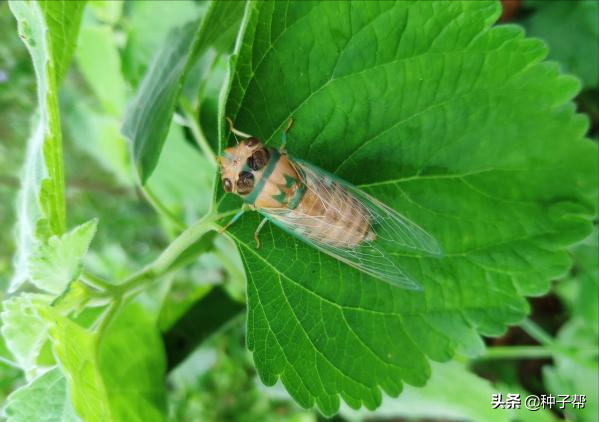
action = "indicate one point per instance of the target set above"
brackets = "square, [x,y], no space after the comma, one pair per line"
[322,210]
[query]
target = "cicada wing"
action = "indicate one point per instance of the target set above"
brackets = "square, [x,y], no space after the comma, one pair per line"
[393,233]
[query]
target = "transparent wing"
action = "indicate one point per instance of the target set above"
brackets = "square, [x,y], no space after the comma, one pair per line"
[389,234]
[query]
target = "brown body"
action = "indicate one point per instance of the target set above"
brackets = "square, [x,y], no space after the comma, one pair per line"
[320,210]
[329,214]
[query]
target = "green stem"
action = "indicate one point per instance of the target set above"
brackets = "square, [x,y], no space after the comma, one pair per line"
[157,204]
[166,260]
[536,332]
[197,132]
[547,342]
[96,282]
[530,352]
[106,318]
[517,352]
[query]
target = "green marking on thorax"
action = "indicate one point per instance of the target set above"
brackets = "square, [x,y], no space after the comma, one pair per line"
[279,197]
[297,196]
[289,181]
[272,162]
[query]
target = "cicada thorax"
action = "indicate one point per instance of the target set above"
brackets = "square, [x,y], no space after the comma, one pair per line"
[281,187]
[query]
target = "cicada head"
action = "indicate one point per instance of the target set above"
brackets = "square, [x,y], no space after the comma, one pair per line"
[240,164]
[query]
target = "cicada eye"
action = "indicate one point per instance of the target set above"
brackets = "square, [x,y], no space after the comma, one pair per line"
[258,159]
[227,185]
[245,183]
[252,142]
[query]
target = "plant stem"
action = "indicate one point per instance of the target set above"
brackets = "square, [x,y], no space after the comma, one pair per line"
[517,352]
[106,318]
[96,282]
[157,204]
[166,260]
[536,332]
[530,352]
[197,132]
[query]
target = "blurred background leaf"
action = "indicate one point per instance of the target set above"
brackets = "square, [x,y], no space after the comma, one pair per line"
[571,29]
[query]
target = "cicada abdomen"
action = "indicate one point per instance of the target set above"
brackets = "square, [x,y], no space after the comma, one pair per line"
[324,211]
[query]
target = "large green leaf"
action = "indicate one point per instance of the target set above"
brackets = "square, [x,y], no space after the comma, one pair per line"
[49,30]
[117,379]
[457,125]
[149,116]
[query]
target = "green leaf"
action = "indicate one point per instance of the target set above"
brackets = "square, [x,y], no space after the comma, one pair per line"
[149,116]
[456,124]
[118,379]
[146,24]
[99,61]
[99,136]
[571,29]
[62,19]
[49,31]
[23,331]
[44,399]
[580,376]
[579,289]
[57,262]
[441,398]
[107,11]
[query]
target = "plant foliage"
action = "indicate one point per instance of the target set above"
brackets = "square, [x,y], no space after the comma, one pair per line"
[457,123]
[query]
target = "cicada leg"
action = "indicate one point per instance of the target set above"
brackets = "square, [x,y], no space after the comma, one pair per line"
[236,132]
[283,148]
[234,219]
[257,232]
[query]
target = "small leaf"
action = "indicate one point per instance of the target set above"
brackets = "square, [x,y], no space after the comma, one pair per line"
[23,331]
[115,380]
[44,399]
[576,376]
[62,19]
[57,262]
[49,30]
[578,373]
[579,288]
[149,116]
[452,122]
